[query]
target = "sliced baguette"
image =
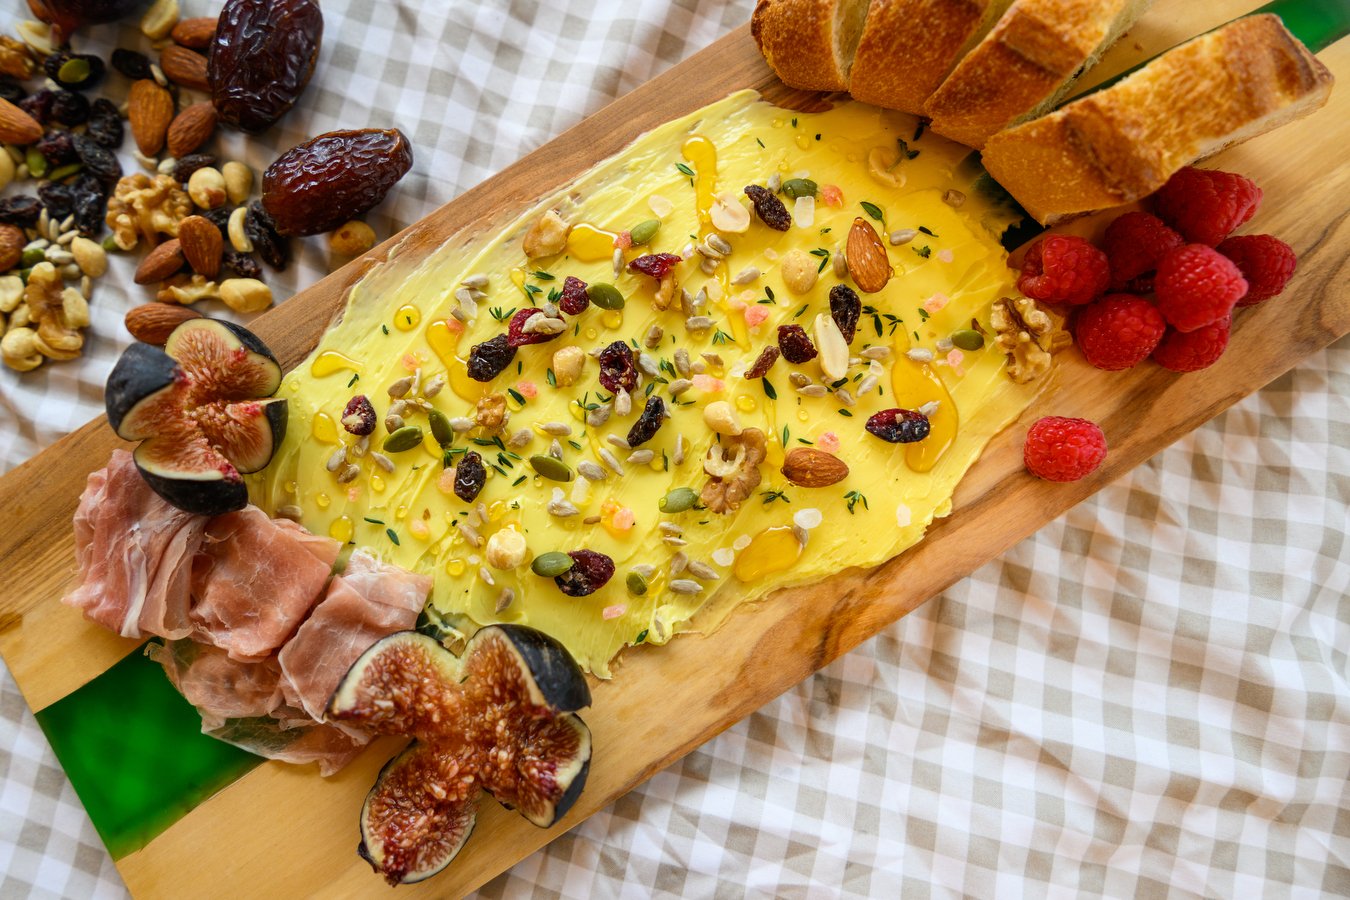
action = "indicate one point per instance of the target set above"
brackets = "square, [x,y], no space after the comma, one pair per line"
[1026,64]
[908,47]
[1122,143]
[809,43]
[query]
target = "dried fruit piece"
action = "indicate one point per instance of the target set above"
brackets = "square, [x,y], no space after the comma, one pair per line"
[574,298]
[795,344]
[899,426]
[316,186]
[657,265]
[67,15]
[589,573]
[846,310]
[488,359]
[767,357]
[359,416]
[769,208]
[131,64]
[470,476]
[516,336]
[97,160]
[58,148]
[645,428]
[22,211]
[190,165]
[617,368]
[262,231]
[261,58]
[867,260]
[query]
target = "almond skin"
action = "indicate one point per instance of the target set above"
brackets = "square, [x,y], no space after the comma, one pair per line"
[163,261]
[867,260]
[202,245]
[808,467]
[196,33]
[17,126]
[184,67]
[190,129]
[12,242]
[154,322]
[150,111]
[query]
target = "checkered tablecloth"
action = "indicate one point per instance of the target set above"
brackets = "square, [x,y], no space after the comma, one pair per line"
[1147,698]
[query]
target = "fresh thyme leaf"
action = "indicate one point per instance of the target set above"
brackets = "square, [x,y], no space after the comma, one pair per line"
[768,290]
[544,276]
[798,313]
[642,636]
[925,230]
[821,251]
[846,413]
[768,389]
[534,289]
[355,379]
[393,537]
[923,251]
[550,378]
[761,143]
[384,328]
[518,481]
[575,445]
[516,396]
[685,169]
[874,211]
[374,521]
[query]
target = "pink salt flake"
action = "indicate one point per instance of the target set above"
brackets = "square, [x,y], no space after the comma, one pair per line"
[422,355]
[954,359]
[410,362]
[829,442]
[528,389]
[623,240]
[755,315]
[445,482]
[419,528]
[936,302]
[623,518]
[613,612]
[832,194]
[945,256]
[737,302]
[709,384]
[353,494]
[455,325]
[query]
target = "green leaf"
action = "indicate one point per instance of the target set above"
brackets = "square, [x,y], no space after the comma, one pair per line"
[685,169]
[768,389]
[393,537]
[874,211]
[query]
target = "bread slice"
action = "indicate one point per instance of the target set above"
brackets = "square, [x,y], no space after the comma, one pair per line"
[908,47]
[1122,143]
[1026,64]
[809,43]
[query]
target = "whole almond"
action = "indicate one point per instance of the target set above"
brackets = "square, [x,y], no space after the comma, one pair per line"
[12,242]
[163,261]
[808,467]
[184,67]
[195,33]
[150,111]
[202,245]
[17,126]
[867,260]
[190,129]
[154,322]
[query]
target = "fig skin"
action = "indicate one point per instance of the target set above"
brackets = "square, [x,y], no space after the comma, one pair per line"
[329,180]
[68,15]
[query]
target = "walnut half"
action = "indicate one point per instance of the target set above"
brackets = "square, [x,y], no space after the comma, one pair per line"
[1029,334]
[733,469]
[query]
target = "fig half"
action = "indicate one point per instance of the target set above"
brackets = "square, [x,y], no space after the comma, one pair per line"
[202,409]
[499,718]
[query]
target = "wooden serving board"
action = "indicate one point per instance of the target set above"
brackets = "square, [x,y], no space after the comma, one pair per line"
[282,831]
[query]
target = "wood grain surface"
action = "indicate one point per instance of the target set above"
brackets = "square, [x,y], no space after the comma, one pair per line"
[284,832]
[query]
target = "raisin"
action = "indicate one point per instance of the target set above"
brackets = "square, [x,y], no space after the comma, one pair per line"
[86,182]
[219,217]
[191,163]
[262,231]
[22,211]
[359,416]
[91,209]
[488,359]
[39,106]
[645,428]
[767,357]
[132,64]
[11,90]
[331,179]
[260,59]
[470,476]
[58,198]
[105,124]
[574,299]
[98,161]
[515,335]
[69,108]
[589,573]
[244,266]
[58,148]
[899,426]
[795,344]
[617,369]
[55,62]
[769,208]
[657,265]
[845,309]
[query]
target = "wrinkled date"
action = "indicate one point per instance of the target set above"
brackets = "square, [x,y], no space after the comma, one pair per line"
[262,231]
[359,416]
[589,573]
[574,299]
[657,265]
[488,359]
[318,185]
[58,198]
[617,369]
[67,15]
[652,418]
[795,344]
[515,330]
[470,476]
[769,208]
[261,58]
[767,357]
[39,106]
[899,426]
[846,310]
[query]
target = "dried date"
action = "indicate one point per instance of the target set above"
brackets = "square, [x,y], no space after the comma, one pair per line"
[191,163]
[69,108]
[58,148]
[261,58]
[91,208]
[59,199]
[899,426]
[331,179]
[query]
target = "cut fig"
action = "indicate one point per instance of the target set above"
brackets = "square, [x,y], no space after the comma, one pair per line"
[499,718]
[203,411]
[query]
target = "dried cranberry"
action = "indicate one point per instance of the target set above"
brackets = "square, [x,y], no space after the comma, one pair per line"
[98,161]
[39,106]
[846,310]
[11,90]
[262,231]
[516,336]
[470,476]
[795,344]
[488,359]
[191,163]
[652,418]
[91,209]
[899,426]
[22,211]
[589,573]
[359,416]
[58,198]
[70,109]
[244,266]
[132,64]
[56,61]
[769,208]
[767,357]
[574,299]
[657,265]
[617,368]
[105,124]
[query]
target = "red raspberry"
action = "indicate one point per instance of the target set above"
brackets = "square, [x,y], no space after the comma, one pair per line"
[1266,262]
[1064,269]
[1135,243]
[1206,206]
[1119,331]
[1197,286]
[1060,449]
[1183,351]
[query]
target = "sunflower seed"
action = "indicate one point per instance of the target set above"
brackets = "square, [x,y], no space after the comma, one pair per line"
[610,460]
[876,353]
[598,416]
[679,449]
[682,362]
[556,429]
[623,403]
[400,388]
[615,440]
[484,574]
[337,460]
[591,471]
[642,457]
[647,364]
[903,236]
[348,475]
[670,528]
[290,512]
[813,390]
[845,397]
[719,243]
[869,381]
[675,542]
[685,586]
[472,537]
[929,408]
[653,337]
[679,386]
[801,534]
[920,355]
[799,379]
[775,181]
[707,252]
[434,387]
[678,562]
[746,275]
[698,323]
[476,281]
[701,570]
[561,509]
[504,600]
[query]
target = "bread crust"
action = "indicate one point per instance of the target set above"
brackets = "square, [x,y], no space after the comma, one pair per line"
[1121,144]
[908,47]
[798,39]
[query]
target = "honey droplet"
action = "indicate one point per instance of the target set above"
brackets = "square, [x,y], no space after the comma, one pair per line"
[324,428]
[407,317]
[746,403]
[341,529]
[612,319]
[518,276]
[803,141]
[497,510]
[330,362]
[289,487]
[772,550]
[444,341]
[703,154]
[588,243]
[376,483]
[914,384]
[322,501]
[401,512]
[803,416]
[591,334]
[455,567]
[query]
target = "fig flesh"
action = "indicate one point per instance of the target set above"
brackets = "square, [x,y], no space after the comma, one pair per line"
[202,410]
[498,718]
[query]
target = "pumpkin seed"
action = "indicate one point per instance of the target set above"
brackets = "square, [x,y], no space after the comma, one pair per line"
[636,584]
[31,258]
[643,232]
[73,71]
[678,500]
[605,296]
[550,468]
[551,564]
[440,427]
[968,339]
[800,187]
[406,438]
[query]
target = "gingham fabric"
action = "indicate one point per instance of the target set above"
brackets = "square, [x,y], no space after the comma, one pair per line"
[1148,698]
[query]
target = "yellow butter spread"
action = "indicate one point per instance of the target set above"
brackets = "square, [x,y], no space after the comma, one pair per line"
[399,320]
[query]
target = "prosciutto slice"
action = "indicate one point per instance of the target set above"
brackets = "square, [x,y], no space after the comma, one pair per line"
[370,600]
[255,579]
[133,552]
